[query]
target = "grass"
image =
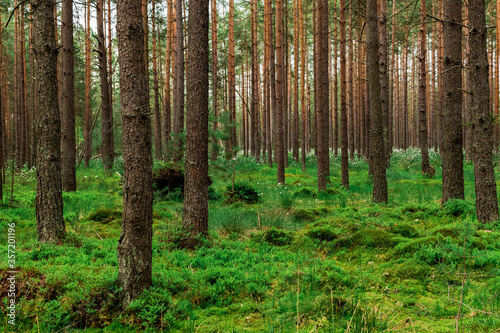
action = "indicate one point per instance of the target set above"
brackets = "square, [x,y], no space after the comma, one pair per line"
[294,261]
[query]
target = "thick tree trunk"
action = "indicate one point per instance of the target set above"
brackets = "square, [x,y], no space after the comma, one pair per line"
[195,217]
[107,153]
[231,77]
[68,144]
[482,119]
[135,243]
[303,83]
[267,78]
[254,126]
[323,96]
[296,59]
[178,129]
[343,106]
[377,145]
[451,143]
[350,89]
[335,89]
[49,204]
[384,76]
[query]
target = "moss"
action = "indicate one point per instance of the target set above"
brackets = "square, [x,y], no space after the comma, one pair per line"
[275,236]
[301,214]
[104,215]
[306,192]
[413,246]
[405,230]
[323,233]
[373,238]
[410,269]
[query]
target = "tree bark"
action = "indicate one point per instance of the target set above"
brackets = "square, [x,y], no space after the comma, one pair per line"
[195,217]
[343,106]
[167,110]
[87,135]
[427,169]
[135,243]
[296,59]
[158,138]
[280,81]
[323,96]
[482,120]
[49,204]
[451,143]
[107,153]
[178,130]
[384,76]
[377,145]
[68,142]
[254,126]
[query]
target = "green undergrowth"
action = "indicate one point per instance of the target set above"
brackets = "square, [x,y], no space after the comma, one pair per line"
[278,258]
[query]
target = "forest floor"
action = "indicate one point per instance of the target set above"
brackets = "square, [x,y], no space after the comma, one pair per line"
[295,261]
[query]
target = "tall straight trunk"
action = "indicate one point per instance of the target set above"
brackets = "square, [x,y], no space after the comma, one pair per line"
[335,87]
[296,57]
[377,149]
[314,136]
[49,204]
[427,169]
[286,95]
[280,81]
[214,72]
[405,95]
[68,142]
[110,76]
[440,72]
[195,217]
[157,126]
[87,135]
[393,102]
[272,79]
[178,128]
[2,136]
[350,89]
[384,76]
[232,73]
[254,129]
[268,35]
[17,112]
[467,96]
[323,95]
[451,143]
[343,106]
[26,128]
[107,153]
[482,119]
[167,110]
[135,244]
[302,83]
[497,78]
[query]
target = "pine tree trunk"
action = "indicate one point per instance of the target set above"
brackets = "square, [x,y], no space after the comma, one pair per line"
[231,78]
[350,89]
[451,144]
[280,100]
[157,126]
[303,83]
[107,153]
[178,129]
[195,217]
[323,95]
[377,145]
[482,119]
[343,106]
[49,204]
[268,79]
[296,59]
[254,129]
[68,145]
[384,77]
[167,110]
[87,135]
[335,88]
[427,169]
[135,243]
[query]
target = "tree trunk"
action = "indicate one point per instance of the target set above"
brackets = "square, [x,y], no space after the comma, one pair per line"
[254,126]
[195,217]
[87,135]
[350,89]
[451,143]
[377,145]
[231,77]
[303,83]
[335,88]
[167,110]
[427,169]
[296,52]
[323,95]
[49,204]
[482,120]
[268,34]
[107,153]
[280,81]
[343,106]
[135,243]
[68,145]
[158,141]
[384,76]
[178,129]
